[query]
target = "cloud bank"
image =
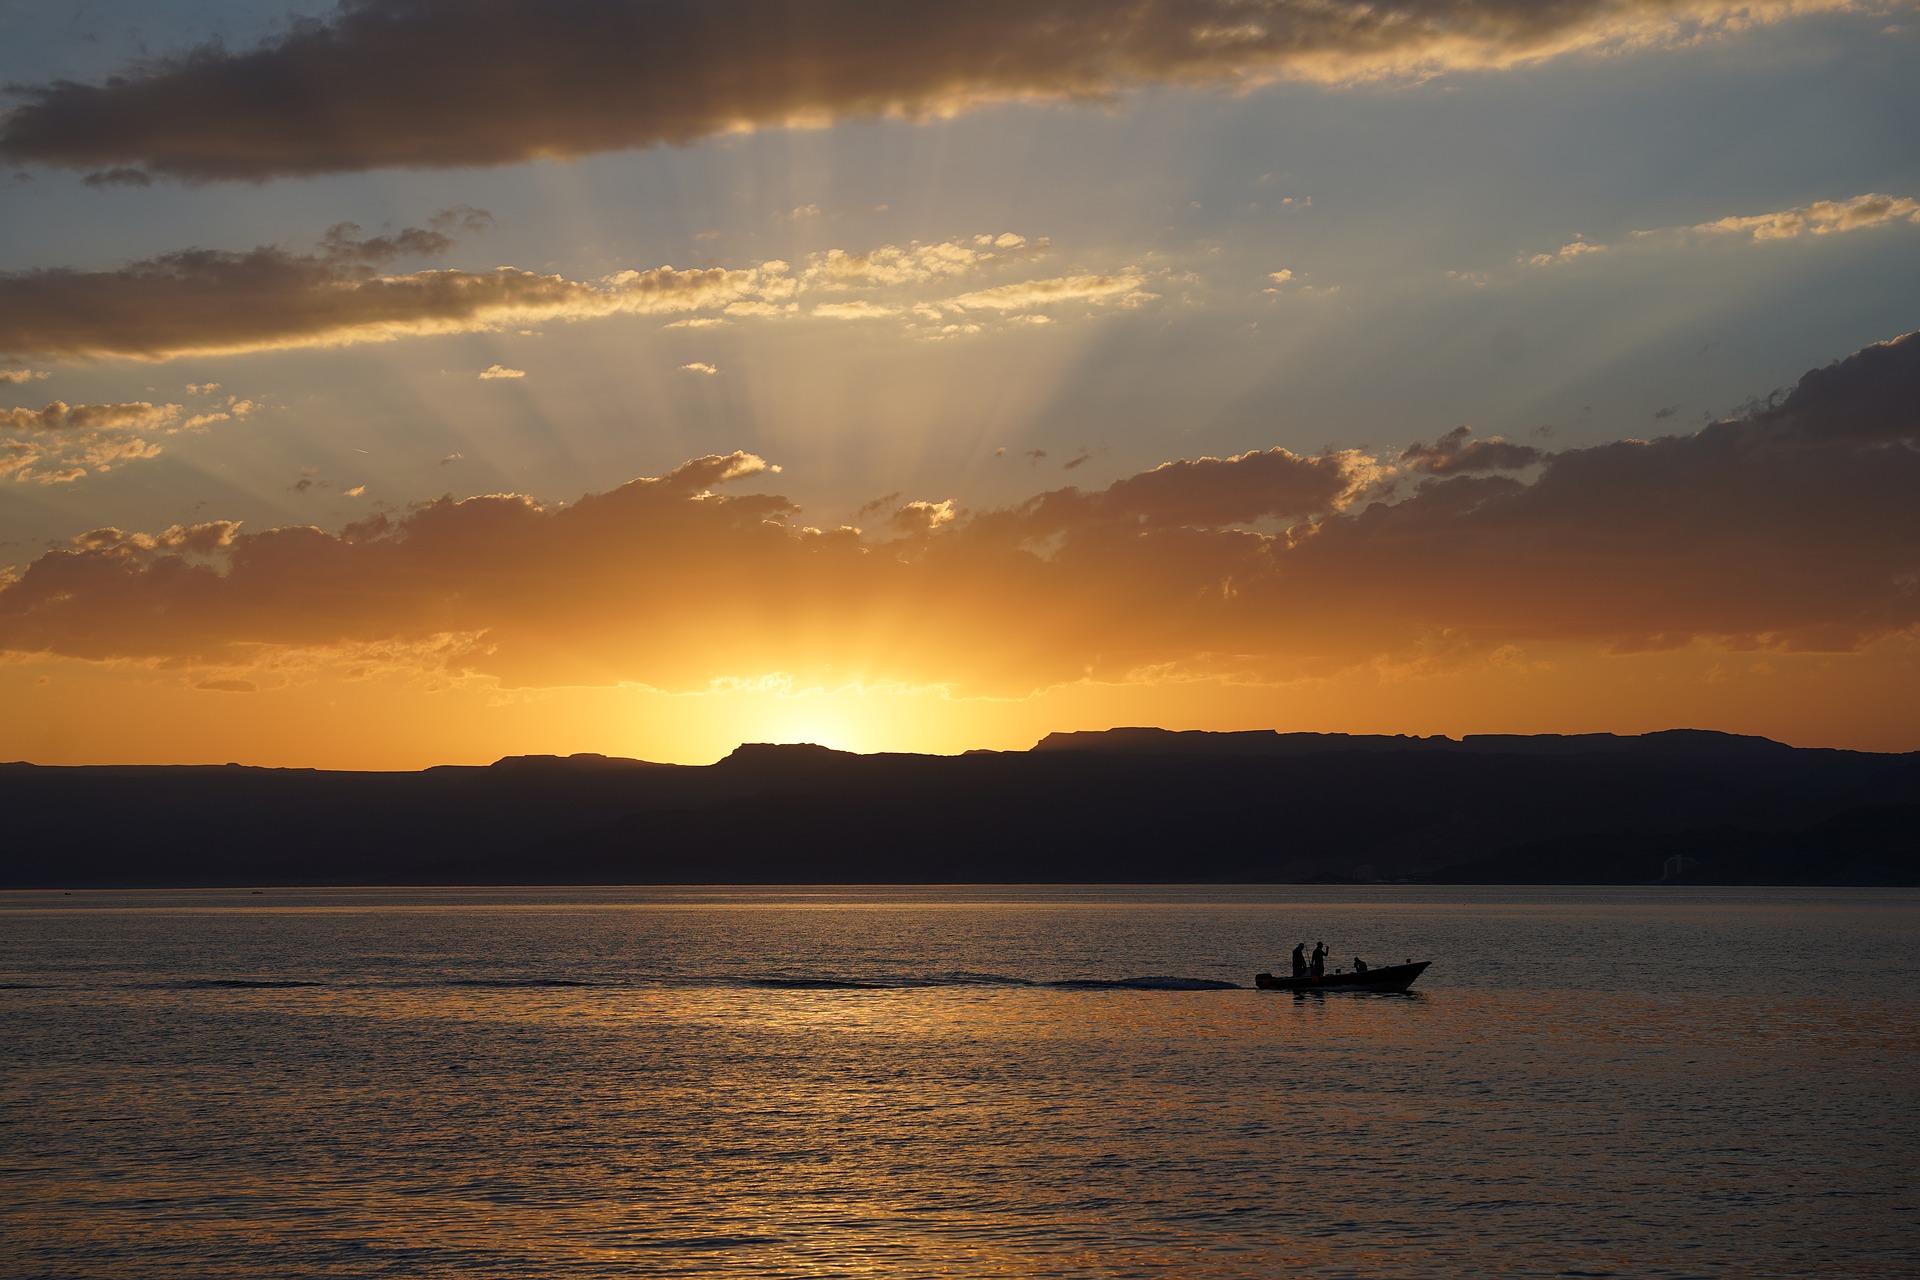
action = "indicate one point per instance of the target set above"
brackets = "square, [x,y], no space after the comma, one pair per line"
[1790,528]
[438,83]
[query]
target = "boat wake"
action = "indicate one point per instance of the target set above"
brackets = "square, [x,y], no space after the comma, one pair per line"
[965,979]
[777,981]
[1158,983]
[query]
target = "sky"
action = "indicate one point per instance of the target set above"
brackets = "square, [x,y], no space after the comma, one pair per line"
[426,381]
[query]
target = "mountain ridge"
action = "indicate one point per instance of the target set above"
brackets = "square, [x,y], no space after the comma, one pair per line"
[1130,804]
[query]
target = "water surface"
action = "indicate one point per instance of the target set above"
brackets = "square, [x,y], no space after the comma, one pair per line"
[966,1082]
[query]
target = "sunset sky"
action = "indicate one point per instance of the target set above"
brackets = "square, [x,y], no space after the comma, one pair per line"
[427,381]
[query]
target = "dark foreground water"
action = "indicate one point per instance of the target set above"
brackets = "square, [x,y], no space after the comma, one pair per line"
[957,1082]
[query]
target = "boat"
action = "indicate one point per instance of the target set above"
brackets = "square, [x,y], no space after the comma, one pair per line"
[1391,977]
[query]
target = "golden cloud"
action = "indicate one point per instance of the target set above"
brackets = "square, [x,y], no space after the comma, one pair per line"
[1124,288]
[435,83]
[62,443]
[916,263]
[61,416]
[1821,218]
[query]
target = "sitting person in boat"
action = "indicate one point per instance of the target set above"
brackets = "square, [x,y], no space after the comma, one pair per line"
[1359,965]
[1300,961]
[1318,968]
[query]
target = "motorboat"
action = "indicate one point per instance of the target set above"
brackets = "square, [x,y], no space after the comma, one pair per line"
[1392,977]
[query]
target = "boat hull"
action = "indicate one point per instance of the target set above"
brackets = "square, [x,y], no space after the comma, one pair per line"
[1393,977]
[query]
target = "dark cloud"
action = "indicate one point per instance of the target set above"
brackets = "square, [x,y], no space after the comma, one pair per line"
[1870,396]
[343,244]
[1457,453]
[436,83]
[1793,527]
[1211,492]
[119,178]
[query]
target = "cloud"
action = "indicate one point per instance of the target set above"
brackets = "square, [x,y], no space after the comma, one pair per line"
[123,177]
[63,417]
[1821,218]
[1792,527]
[1212,492]
[1123,288]
[62,442]
[14,377]
[457,83]
[917,263]
[1456,453]
[1566,253]
[885,502]
[495,372]
[701,367]
[921,517]
[205,302]
[186,539]
[1869,398]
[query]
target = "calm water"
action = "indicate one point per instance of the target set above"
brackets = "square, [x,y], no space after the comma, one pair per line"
[957,1082]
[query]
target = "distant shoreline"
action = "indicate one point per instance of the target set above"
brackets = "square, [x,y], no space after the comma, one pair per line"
[1127,806]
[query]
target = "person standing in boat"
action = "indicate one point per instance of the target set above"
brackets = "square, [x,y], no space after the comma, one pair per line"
[1300,960]
[1359,965]
[1319,967]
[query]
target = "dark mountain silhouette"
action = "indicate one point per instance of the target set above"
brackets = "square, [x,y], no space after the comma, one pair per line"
[1123,805]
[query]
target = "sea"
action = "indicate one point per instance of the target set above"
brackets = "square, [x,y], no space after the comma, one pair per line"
[971,1081]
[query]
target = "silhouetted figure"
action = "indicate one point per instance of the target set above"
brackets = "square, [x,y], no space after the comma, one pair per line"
[1300,961]
[1359,965]
[1319,967]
